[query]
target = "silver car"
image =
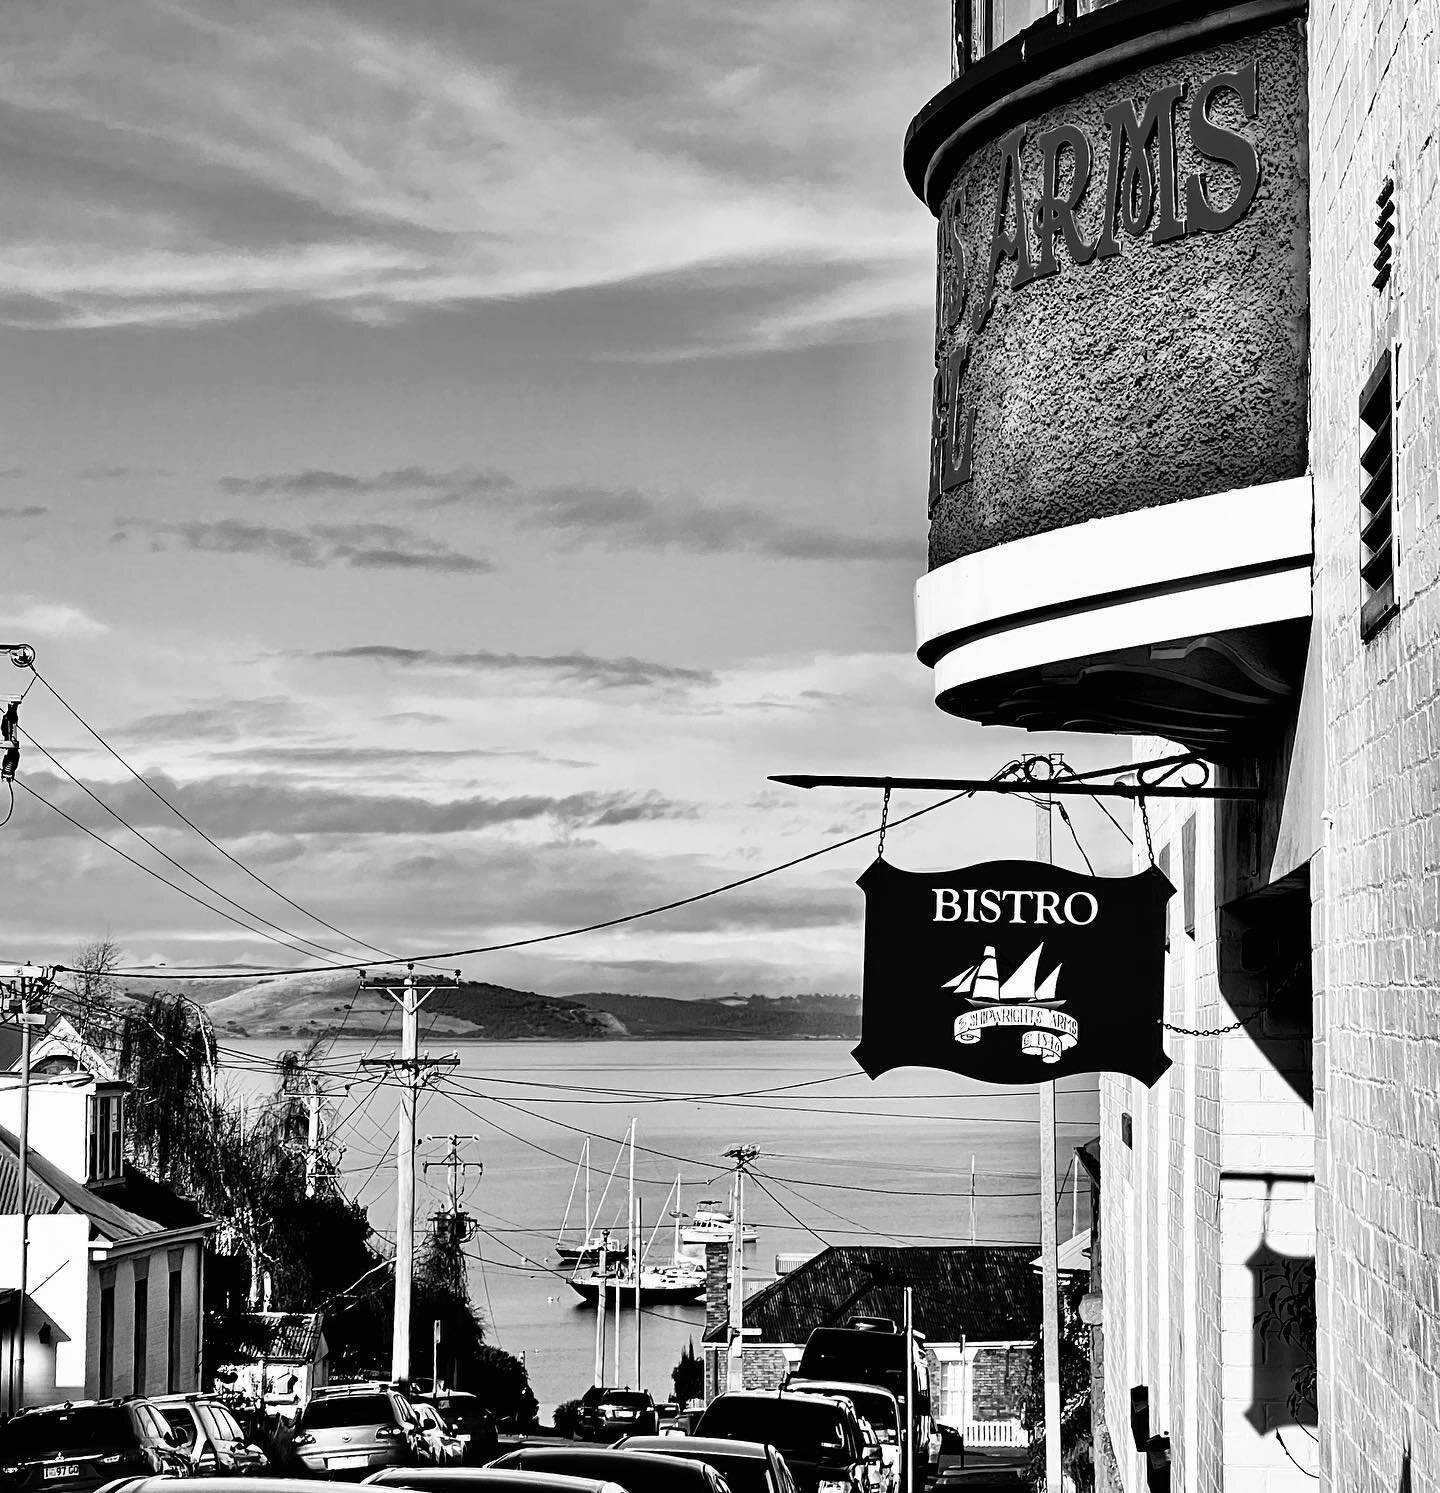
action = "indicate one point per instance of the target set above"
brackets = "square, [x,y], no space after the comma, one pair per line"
[350,1434]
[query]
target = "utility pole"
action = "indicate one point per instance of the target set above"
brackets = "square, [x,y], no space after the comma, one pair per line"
[22,986]
[409,997]
[735,1376]
[639,1315]
[457,1167]
[1049,1243]
[313,1138]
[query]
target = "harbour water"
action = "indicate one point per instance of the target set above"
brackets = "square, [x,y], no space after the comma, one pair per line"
[842,1160]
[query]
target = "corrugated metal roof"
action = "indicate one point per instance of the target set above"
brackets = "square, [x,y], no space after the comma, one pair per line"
[53,1191]
[291,1337]
[979,1292]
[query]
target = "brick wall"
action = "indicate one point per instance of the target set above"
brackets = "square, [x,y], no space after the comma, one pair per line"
[999,1379]
[765,1367]
[1374,66]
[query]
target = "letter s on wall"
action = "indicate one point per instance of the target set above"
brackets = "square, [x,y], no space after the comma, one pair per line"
[1218,144]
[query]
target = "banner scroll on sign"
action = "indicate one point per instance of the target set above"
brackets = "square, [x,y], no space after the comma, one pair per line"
[1014,972]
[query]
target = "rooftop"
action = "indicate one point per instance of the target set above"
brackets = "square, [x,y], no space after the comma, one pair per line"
[979,1292]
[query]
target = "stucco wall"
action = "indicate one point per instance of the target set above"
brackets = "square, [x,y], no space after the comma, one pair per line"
[154,1267]
[1166,371]
[1374,68]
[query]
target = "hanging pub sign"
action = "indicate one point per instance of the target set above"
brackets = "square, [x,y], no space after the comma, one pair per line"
[1013,972]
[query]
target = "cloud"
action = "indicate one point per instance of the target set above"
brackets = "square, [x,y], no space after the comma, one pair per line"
[317,482]
[11,474]
[361,546]
[304,757]
[572,668]
[30,510]
[31,620]
[179,167]
[615,517]
[110,474]
[234,808]
[218,720]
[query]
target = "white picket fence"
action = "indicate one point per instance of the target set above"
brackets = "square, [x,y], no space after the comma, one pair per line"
[994,1433]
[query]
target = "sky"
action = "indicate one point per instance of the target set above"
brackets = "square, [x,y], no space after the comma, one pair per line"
[456,450]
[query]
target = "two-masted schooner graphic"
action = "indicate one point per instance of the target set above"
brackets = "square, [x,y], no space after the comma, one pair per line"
[1016,1001]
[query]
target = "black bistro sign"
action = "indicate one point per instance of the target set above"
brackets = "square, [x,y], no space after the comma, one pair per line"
[1013,972]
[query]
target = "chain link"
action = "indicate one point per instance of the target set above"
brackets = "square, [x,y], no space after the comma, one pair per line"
[1145,820]
[884,820]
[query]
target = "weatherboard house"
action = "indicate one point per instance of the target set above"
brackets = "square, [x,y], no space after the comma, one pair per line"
[114,1277]
[977,1306]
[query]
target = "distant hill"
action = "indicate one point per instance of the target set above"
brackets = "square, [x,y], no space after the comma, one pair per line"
[315,1004]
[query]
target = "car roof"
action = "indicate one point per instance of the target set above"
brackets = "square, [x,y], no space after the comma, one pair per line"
[696,1446]
[485,1477]
[771,1396]
[211,1485]
[841,1388]
[565,1453]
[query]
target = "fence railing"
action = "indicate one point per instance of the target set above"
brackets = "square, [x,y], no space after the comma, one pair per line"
[1008,1433]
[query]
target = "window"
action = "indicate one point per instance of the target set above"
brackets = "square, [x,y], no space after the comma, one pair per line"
[107,1149]
[107,1341]
[172,1377]
[1377,502]
[141,1344]
[950,1392]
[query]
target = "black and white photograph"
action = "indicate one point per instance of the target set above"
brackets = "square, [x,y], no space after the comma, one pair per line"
[720,746]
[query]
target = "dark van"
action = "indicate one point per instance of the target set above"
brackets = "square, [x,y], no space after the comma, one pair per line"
[872,1351]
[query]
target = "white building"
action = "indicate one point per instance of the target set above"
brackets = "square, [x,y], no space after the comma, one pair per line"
[113,1294]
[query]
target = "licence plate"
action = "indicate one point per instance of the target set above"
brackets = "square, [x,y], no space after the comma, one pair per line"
[66,1469]
[361,1461]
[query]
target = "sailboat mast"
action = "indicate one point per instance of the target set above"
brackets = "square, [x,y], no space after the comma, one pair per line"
[589,1221]
[635,1265]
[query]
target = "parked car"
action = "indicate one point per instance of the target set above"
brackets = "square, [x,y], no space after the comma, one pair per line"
[608,1414]
[210,1436]
[443,1447]
[86,1443]
[467,1417]
[748,1466]
[875,1404]
[486,1480]
[871,1350]
[818,1435]
[354,1431]
[636,1472]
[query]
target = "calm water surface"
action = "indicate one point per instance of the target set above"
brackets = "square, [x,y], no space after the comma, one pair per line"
[844,1162]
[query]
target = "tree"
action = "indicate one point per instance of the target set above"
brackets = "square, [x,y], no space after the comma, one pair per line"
[688,1376]
[1075,1431]
[440,1292]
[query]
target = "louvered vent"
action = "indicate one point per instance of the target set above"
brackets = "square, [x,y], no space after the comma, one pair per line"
[1384,232]
[1377,501]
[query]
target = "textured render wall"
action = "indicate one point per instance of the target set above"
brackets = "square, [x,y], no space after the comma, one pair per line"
[1374,69]
[1166,372]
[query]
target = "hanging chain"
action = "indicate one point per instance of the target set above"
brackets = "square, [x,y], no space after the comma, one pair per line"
[1145,820]
[1211,1031]
[884,820]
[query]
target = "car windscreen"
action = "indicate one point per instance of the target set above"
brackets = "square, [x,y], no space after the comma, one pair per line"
[79,1432]
[180,1421]
[347,1410]
[813,1432]
[628,1399]
[744,1474]
[878,1409]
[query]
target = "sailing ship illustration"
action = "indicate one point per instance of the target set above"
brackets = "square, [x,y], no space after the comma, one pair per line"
[981,982]
[1020,1000]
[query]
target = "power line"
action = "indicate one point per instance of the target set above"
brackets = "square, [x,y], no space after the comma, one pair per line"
[215,891]
[185,819]
[615,922]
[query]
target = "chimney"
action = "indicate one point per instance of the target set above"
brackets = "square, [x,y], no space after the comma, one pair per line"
[717,1283]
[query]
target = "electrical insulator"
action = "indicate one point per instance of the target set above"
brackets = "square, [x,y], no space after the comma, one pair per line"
[462,1227]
